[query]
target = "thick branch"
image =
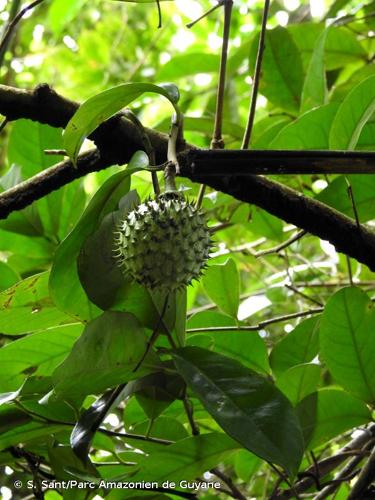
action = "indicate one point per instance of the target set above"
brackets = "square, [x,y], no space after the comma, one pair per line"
[118,139]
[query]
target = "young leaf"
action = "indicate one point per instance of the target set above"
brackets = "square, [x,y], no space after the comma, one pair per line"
[247,406]
[102,106]
[346,344]
[352,115]
[221,283]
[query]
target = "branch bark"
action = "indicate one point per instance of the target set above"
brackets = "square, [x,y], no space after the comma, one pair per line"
[118,138]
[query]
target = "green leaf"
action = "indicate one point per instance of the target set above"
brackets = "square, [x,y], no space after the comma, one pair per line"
[342,46]
[267,225]
[66,290]
[328,413]
[299,381]
[245,347]
[61,458]
[186,459]
[27,143]
[102,106]
[26,307]
[297,347]
[314,91]
[96,262]
[221,283]
[8,276]
[29,432]
[309,131]
[41,351]
[62,12]
[105,355]
[353,113]
[156,392]
[246,464]
[336,6]
[363,187]
[247,406]
[163,428]
[26,256]
[181,66]
[346,344]
[282,72]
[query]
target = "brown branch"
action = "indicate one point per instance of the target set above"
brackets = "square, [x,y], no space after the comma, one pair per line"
[259,326]
[118,138]
[364,480]
[256,79]
[328,465]
[235,492]
[346,472]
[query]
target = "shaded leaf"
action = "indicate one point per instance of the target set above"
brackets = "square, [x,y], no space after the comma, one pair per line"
[89,422]
[282,73]
[327,413]
[297,347]
[299,381]
[66,290]
[105,355]
[247,406]
[187,458]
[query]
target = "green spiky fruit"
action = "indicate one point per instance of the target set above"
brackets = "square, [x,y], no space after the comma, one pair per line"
[164,243]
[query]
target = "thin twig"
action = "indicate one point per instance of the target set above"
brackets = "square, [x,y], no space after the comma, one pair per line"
[282,246]
[57,152]
[207,13]
[160,22]
[189,410]
[259,326]
[307,297]
[154,336]
[329,464]
[352,201]
[3,124]
[236,493]
[217,139]
[256,79]
[13,24]
[14,8]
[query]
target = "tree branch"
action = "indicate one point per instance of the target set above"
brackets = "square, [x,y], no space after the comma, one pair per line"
[118,138]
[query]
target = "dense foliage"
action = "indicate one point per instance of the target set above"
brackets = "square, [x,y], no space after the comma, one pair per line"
[256,375]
